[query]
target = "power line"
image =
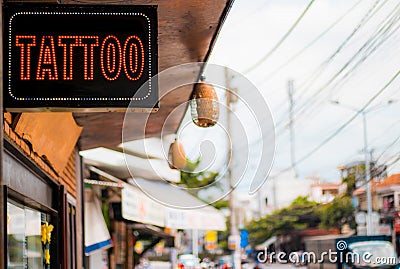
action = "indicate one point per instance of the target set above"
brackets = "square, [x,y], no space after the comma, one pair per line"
[329,138]
[343,126]
[394,161]
[388,147]
[364,20]
[374,140]
[313,100]
[319,71]
[371,13]
[300,52]
[277,45]
[368,46]
[324,65]
[385,131]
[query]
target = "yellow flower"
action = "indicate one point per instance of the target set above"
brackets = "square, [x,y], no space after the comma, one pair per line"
[47,256]
[46,232]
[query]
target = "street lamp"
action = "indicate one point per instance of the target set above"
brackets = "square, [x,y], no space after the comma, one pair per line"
[364,112]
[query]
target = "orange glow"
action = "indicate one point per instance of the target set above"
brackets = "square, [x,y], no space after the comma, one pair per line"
[47,57]
[132,71]
[25,43]
[88,42]
[111,58]
[68,42]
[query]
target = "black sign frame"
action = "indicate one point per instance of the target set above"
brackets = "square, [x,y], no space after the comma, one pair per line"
[49,82]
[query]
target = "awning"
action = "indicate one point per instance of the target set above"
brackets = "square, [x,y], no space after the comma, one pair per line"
[136,206]
[163,204]
[150,229]
[182,210]
[97,236]
[147,202]
[266,243]
[115,163]
[187,32]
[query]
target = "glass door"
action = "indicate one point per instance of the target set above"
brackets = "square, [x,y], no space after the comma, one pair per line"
[25,249]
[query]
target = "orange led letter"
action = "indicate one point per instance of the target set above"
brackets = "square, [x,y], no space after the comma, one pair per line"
[68,42]
[133,58]
[110,57]
[88,42]
[47,60]
[25,43]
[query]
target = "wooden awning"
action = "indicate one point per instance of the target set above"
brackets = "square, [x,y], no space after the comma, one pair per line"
[187,33]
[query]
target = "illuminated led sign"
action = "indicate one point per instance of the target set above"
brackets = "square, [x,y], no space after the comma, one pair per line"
[79,58]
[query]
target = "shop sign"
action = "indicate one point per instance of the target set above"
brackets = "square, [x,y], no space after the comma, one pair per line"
[70,57]
[397,223]
[385,229]
[137,206]
[211,238]
[233,241]
[200,219]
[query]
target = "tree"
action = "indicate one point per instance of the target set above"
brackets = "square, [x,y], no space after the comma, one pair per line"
[351,175]
[300,214]
[194,181]
[339,212]
[355,172]
[220,204]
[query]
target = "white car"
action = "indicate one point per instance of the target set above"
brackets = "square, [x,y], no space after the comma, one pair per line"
[374,254]
[188,261]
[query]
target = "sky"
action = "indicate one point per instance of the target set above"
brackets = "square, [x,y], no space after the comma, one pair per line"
[341,50]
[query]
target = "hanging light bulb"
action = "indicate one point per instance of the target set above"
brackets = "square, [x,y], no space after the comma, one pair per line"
[204,105]
[176,156]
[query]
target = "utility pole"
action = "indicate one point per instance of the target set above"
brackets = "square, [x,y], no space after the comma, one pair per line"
[367,159]
[367,176]
[233,231]
[291,126]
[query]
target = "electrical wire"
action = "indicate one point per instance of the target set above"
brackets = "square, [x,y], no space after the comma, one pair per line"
[314,99]
[300,52]
[374,42]
[366,46]
[342,127]
[347,64]
[280,42]
[389,162]
[388,147]
[329,138]
[320,70]
[372,141]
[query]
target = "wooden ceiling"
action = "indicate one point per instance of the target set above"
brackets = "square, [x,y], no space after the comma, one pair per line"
[187,33]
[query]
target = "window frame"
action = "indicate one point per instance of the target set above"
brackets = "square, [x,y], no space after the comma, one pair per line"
[14,197]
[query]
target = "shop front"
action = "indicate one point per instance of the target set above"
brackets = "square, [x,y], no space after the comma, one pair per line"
[55,104]
[41,199]
[26,214]
[138,223]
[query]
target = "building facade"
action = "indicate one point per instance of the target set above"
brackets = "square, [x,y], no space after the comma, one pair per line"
[42,214]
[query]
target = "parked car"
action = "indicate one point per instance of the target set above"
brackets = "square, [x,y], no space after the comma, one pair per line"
[373,254]
[188,261]
[349,252]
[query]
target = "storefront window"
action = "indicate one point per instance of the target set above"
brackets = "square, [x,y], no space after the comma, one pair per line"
[24,237]
[388,203]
